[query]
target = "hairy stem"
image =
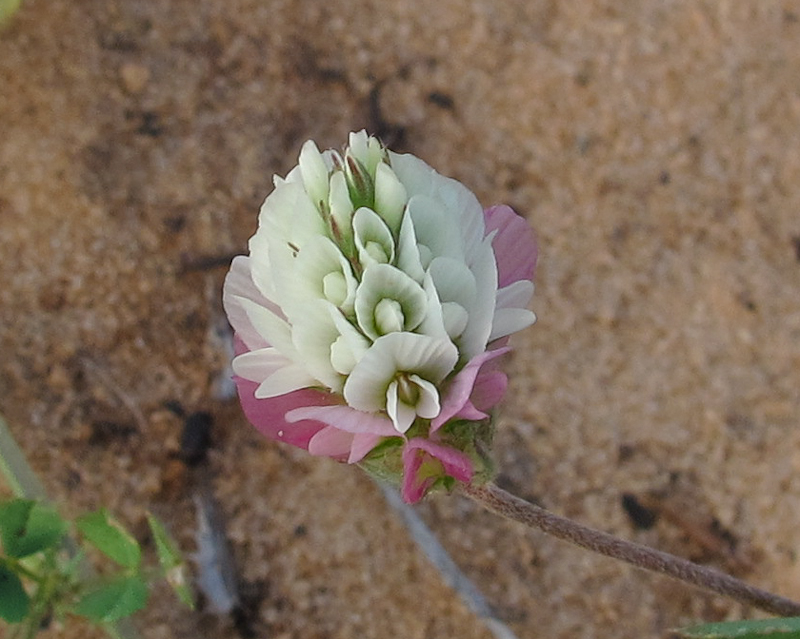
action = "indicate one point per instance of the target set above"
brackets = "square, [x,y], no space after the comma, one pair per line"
[503,503]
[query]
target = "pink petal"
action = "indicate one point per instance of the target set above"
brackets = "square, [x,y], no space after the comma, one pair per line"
[331,442]
[470,413]
[362,444]
[460,388]
[514,244]
[455,463]
[489,389]
[413,489]
[268,415]
[344,418]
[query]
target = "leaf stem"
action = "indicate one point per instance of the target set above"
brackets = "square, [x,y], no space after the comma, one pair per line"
[503,503]
[14,465]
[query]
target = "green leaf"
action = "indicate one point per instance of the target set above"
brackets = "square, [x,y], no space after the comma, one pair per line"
[109,536]
[113,600]
[785,628]
[171,560]
[8,8]
[14,601]
[27,527]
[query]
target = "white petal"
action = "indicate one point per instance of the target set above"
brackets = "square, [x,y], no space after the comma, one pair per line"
[373,239]
[239,283]
[290,217]
[319,258]
[313,335]
[453,280]
[366,150]
[390,196]
[431,359]
[389,317]
[382,281]
[275,330]
[261,266]
[474,338]
[428,402]
[286,380]
[510,320]
[341,210]
[433,324]
[315,173]
[257,365]
[516,295]
[408,258]
[460,201]
[357,343]
[436,227]
[455,318]
[401,414]
[415,175]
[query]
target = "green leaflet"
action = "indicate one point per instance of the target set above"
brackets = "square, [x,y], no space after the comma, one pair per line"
[785,628]
[14,601]
[27,527]
[113,600]
[109,536]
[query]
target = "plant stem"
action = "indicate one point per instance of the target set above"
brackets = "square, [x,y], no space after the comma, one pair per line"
[14,465]
[503,503]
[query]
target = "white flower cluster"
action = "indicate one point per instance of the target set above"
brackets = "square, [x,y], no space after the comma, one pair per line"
[381,282]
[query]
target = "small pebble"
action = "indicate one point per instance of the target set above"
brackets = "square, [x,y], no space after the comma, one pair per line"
[134,77]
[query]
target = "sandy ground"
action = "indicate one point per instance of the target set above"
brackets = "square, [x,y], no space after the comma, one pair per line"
[654,146]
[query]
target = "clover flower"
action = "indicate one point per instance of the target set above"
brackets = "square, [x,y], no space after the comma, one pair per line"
[371,311]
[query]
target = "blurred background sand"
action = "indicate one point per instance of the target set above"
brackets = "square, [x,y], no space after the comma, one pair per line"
[655,148]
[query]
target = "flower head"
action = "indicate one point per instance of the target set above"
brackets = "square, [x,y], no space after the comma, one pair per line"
[371,311]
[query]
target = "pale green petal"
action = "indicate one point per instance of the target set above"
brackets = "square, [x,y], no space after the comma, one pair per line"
[433,323]
[290,217]
[315,174]
[390,196]
[459,201]
[428,403]
[319,272]
[474,338]
[408,257]
[457,290]
[275,330]
[284,381]
[455,319]
[382,281]
[343,359]
[313,334]
[401,414]
[341,208]
[415,175]
[261,269]
[389,317]
[510,320]
[453,197]
[436,228]
[373,239]
[348,349]
[516,295]
[366,149]
[454,281]
[259,364]
[431,359]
